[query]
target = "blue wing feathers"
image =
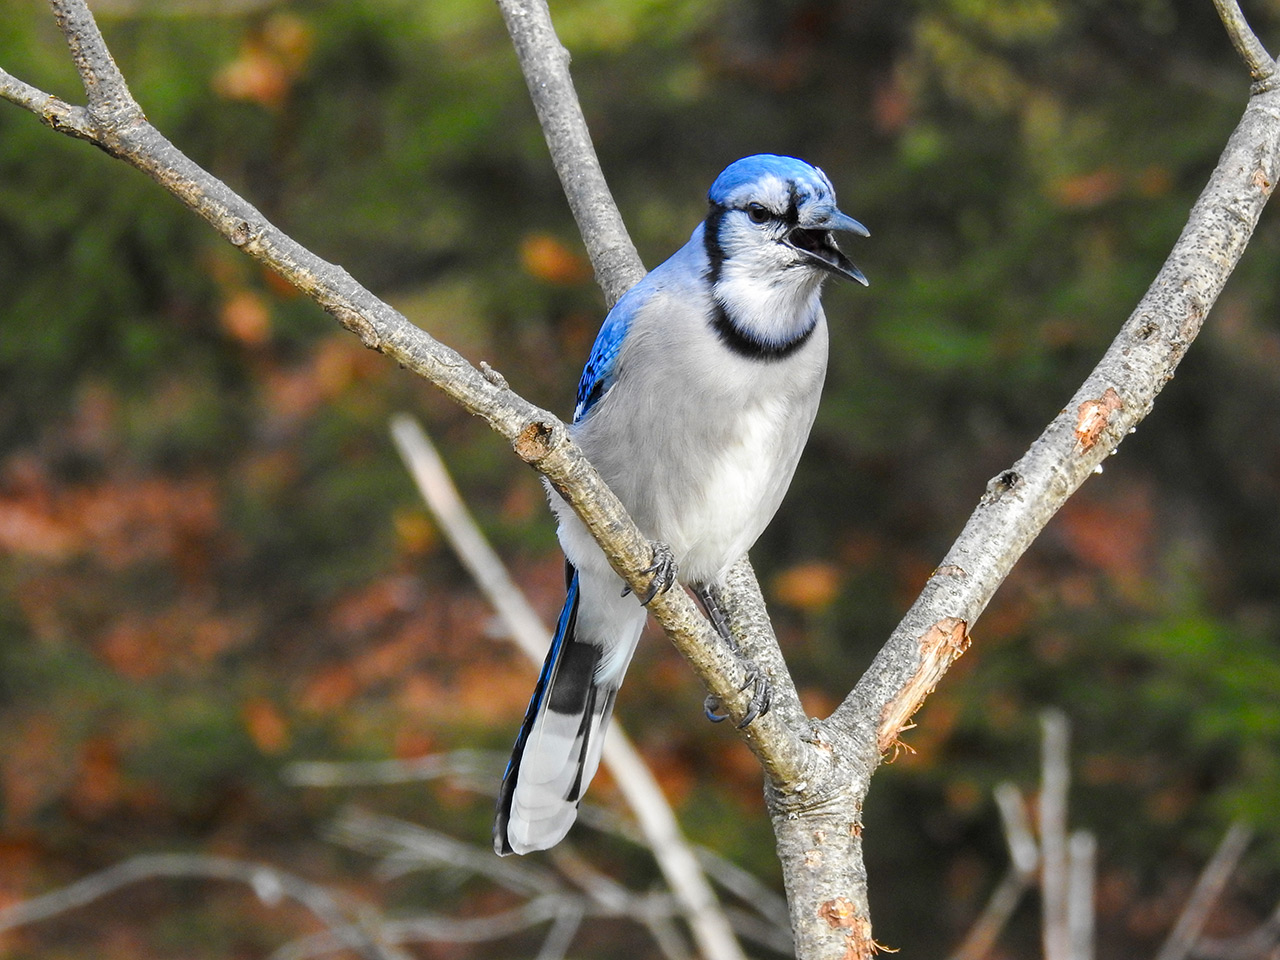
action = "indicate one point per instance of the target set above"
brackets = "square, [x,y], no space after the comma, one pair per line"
[597,376]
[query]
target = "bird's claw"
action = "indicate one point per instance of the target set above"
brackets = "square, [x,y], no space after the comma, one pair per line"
[710,706]
[663,569]
[757,706]
[761,694]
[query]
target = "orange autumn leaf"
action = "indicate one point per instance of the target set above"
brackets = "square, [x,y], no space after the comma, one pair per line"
[266,725]
[255,75]
[268,62]
[99,782]
[246,317]
[330,688]
[1086,190]
[807,586]
[547,258]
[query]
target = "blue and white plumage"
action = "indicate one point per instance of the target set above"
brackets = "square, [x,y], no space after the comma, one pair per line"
[694,407]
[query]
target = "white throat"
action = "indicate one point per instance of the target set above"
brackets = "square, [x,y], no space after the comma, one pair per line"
[771,305]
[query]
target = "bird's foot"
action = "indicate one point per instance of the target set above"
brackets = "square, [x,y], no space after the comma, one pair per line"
[757,706]
[761,693]
[715,613]
[663,569]
[711,707]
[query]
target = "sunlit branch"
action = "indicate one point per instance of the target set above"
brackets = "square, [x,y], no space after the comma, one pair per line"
[1252,52]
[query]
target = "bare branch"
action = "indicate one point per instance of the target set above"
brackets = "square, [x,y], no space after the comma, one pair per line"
[465,766]
[1055,777]
[269,883]
[109,99]
[1261,941]
[407,846]
[632,775]
[1252,52]
[1024,852]
[486,568]
[53,112]
[561,934]
[1207,890]
[1024,859]
[1117,395]
[538,437]
[545,63]
[1082,852]
[430,927]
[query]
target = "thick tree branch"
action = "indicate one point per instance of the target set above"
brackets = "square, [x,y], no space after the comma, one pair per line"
[1115,397]
[1018,503]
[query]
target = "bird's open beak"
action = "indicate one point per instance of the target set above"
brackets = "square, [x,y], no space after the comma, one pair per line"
[818,245]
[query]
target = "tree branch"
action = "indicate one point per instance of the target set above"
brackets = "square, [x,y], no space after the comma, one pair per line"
[1252,52]
[270,884]
[537,436]
[1208,889]
[1108,406]
[1018,503]
[545,63]
[1024,858]
[1055,778]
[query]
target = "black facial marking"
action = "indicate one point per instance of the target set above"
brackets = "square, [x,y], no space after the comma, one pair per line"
[746,345]
[792,216]
[711,240]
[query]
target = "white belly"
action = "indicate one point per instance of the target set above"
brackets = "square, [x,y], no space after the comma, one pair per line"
[742,486]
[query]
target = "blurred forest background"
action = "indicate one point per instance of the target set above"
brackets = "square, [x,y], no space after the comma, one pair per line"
[212,563]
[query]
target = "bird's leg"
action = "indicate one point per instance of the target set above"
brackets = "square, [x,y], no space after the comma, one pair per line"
[761,689]
[663,569]
[715,613]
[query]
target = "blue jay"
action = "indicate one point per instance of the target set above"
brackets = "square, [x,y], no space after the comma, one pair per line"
[694,407]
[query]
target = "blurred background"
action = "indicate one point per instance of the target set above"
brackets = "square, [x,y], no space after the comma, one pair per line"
[212,563]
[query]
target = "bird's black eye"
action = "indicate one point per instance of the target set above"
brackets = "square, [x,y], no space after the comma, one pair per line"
[758,212]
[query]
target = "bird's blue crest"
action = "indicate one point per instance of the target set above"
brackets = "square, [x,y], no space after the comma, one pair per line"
[746,174]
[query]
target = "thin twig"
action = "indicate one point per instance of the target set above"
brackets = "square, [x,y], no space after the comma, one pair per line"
[269,883]
[409,845]
[1024,852]
[1207,890]
[1024,858]
[1082,852]
[545,64]
[462,766]
[1261,941]
[1055,777]
[562,932]
[1252,52]
[430,927]
[109,99]
[635,781]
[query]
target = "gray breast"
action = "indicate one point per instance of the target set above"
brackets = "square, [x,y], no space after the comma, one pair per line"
[698,442]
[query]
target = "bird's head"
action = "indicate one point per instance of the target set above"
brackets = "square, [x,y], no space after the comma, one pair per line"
[771,213]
